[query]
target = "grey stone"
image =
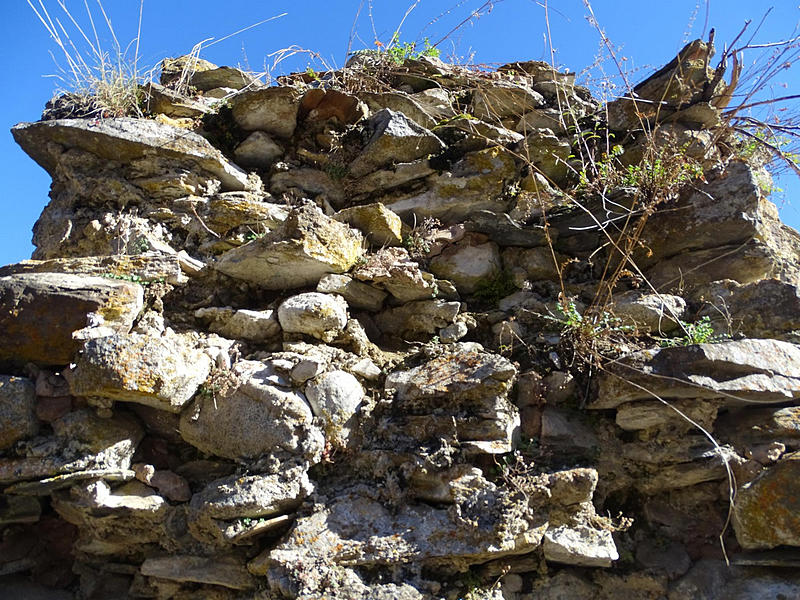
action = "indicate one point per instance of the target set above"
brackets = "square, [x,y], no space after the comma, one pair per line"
[580,545]
[17,410]
[226,508]
[468,264]
[272,109]
[391,176]
[648,312]
[335,398]
[313,182]
[162,372]
[228,573]
[503,101]
[736,371]
[394,138]
[415,533]
[305,247]
[417,318]
[323,316]
[248,417]
[393,269]
[124,139]
[476,182]
[505,231]
[149,267]
[243,324]
[40,312]
[547,153]
[355,293]
[228,77]
[117,522]
[257,151]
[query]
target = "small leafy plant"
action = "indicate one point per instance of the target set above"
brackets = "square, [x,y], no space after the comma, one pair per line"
[701,332]
[400,51]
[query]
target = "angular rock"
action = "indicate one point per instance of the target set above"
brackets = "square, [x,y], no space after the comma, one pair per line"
[323,316]
[113,522]
[226,77]
[468,264]
[581,546]
[548,153]
[405,104]
[257,151]
[83,446]
[174,69]
[767,510]
[145,268]
[729,210]
[313,182]
[380,226]
[417,318]
[476,182]
[769,308]
[391,177]
[225,509]
[17,410]
[505,231]
[243,324]
[229,573]
[335,398]
[248,416]
[124,139]
[648,312]
[40,312]
[355,293]
[459,394]
[394,138]
[305,247]
[162,100]
[415,533]
[320,105]
[503,101]
[737,371]
[393,270]
[162,372]
[646,414]
[535,263]
[272,109]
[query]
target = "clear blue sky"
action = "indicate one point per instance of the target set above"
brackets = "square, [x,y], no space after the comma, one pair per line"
[647,35]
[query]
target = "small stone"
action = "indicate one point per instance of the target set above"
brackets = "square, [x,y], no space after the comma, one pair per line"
[468,264]
[380,225]
[648,312]
[306,369]
[322,316]
[272,109]
[257,151]
[335,398]
[305,247]
[17,410]
[254,325]
[453,333]
[395,138]
[416,318]
[357,294]
[582,546]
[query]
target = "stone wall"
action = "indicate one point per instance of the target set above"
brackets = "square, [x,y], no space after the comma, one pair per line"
[402,331]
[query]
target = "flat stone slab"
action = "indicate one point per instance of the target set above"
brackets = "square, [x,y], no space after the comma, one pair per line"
[40,311]
[739,371]
[125,139]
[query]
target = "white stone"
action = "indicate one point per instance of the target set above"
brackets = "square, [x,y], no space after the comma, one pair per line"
[322,316]
[335,398]
[581,545]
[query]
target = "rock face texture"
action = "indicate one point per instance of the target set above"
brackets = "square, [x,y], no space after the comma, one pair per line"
[369,341]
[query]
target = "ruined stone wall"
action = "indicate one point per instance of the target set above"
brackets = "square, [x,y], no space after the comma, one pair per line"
[402,331]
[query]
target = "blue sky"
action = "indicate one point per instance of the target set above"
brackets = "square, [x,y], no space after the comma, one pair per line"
[646,35]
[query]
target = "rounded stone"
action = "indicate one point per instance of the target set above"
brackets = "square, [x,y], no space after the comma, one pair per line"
[321,316]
